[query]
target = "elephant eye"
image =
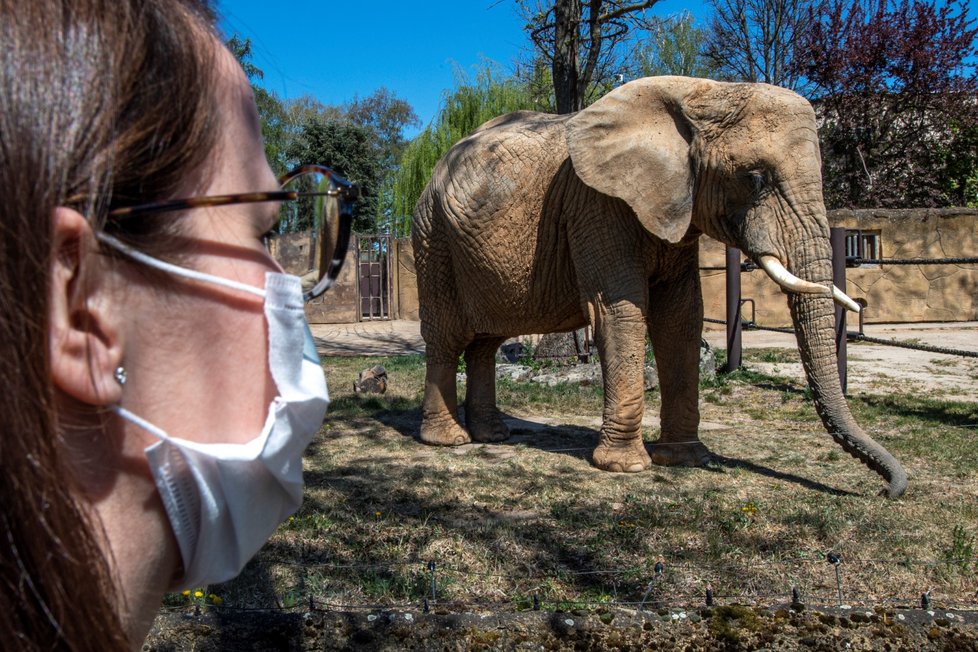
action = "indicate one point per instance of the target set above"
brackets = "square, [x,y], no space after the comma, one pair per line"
[759,181]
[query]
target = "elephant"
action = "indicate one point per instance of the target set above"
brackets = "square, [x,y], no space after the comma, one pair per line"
[539,223]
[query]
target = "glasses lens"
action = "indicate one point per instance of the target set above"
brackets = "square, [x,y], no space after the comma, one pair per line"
[316,211]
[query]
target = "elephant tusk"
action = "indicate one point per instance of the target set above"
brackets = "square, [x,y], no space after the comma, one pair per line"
[780,275]
[844,300]
[788,281]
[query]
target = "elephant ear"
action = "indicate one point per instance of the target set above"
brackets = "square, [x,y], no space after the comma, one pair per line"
[633,144]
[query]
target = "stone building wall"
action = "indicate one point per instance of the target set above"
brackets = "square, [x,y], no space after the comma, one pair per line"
[296,253]
[893,293]
[405,281]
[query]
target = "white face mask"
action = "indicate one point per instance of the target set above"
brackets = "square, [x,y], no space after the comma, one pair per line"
[224,500]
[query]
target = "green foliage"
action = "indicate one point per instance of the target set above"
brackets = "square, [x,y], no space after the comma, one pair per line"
[271,110]
[362,139]
[347,148]
[464,109]
[241,49]
[962,551]
[959,158]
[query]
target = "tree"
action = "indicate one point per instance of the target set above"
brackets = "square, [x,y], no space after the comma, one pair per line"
[675,47]
[387,116]
[896,86]
[585,42]
[346,148]
[275,124]
[756,40]
[467,107]
[362,139]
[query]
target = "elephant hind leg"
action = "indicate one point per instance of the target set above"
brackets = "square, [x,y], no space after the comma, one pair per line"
[439,419]
[482,419]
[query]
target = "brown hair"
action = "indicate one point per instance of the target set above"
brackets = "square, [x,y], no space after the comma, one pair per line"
[102,103]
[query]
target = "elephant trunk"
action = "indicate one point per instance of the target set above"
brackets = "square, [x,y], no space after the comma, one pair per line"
[814,321]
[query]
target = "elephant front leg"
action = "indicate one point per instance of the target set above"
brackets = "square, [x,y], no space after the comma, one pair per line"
[439,410]
[675,329]
[482,419]
[620,336]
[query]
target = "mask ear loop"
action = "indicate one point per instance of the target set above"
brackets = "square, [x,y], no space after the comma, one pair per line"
[176,269]
[157,432]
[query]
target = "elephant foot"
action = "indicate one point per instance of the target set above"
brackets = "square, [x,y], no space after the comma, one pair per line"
[443,432]
[681,453]
[487,426]
[622,458]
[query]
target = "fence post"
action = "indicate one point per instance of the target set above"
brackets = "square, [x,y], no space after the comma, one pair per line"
[734,326]
[838,239]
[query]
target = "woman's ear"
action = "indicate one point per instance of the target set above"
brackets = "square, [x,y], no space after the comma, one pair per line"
[84,321]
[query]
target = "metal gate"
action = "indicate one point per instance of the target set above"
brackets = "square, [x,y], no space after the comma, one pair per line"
[374,283]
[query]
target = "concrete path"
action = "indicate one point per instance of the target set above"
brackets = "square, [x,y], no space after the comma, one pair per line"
[399,337]
[872,367]
[379,338]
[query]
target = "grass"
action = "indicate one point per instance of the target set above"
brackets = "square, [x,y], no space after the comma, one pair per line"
[532,517]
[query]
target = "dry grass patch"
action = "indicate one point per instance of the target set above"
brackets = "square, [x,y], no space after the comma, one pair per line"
[531,516]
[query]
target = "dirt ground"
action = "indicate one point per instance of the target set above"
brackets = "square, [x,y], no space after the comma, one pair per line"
[871,366]
[875,367]
[872,369]
[783,628]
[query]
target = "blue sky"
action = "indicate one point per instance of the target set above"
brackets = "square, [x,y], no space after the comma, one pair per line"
[336,51]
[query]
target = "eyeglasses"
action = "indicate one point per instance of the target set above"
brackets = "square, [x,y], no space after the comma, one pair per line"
[312,197]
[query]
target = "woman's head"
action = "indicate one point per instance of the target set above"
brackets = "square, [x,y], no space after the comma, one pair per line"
[103,103]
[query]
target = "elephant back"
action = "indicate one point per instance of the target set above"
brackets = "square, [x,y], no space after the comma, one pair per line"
[486,204]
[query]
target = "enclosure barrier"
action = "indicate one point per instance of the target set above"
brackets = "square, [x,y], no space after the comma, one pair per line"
[735,323]
[660,591]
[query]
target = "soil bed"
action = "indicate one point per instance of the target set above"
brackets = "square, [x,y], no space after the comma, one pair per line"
[706,629]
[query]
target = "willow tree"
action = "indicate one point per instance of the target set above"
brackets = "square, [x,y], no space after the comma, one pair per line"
[464,109]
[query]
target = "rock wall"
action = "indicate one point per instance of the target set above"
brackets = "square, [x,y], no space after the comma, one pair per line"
[893,293]
[297,253]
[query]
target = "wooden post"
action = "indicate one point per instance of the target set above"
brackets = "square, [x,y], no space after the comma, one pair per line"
[734,327]
[838,238]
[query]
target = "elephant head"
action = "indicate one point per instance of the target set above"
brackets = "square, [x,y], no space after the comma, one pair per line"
[741,163]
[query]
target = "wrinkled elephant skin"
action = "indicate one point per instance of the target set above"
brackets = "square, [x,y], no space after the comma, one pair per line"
[540,223]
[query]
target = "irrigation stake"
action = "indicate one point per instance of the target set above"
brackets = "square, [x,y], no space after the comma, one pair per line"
[434,586]
[836,560]
[659,569]
[709,596]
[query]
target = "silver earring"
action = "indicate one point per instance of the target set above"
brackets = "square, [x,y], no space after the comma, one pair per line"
[120,375]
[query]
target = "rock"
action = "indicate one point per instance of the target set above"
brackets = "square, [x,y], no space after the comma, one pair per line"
[708,363]
[371,381]
[651,375]
[511,352]
[561,346]
[515,372]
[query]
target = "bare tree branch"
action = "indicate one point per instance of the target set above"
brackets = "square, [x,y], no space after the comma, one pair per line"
[585,42]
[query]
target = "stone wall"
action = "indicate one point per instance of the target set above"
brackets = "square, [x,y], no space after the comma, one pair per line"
[893,293]
[296,253]
[405,281]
